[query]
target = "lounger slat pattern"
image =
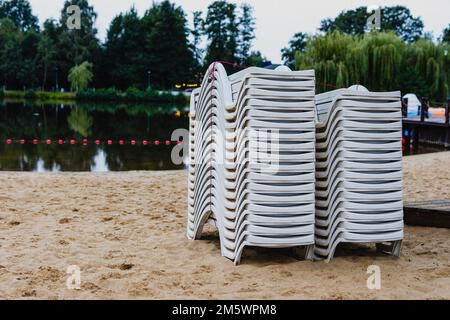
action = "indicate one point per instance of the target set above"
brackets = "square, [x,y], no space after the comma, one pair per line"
[256,191]
[359,187]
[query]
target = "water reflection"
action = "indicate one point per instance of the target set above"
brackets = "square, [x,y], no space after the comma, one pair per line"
[19,120]
[91,121]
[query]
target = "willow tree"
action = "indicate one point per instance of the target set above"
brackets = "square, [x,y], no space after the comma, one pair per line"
[383,52]
[80,76]
[379,61]
[429,60]
[328,56]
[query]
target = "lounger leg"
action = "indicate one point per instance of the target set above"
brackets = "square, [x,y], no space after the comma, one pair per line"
[397,248]
[394,248]
[304,253]
[309,253]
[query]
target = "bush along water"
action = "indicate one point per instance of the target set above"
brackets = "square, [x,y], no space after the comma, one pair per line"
[131,94]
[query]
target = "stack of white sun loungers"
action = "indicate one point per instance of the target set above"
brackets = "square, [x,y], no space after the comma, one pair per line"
[358,170]
[252,154]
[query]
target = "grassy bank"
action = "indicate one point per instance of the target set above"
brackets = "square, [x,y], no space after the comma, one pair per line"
[131,95]
[37,95]
[94,95]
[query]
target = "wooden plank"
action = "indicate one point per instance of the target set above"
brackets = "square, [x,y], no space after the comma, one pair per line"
[425,123]
[434,214]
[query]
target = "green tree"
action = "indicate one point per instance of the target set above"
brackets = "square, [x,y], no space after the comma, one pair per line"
[168,53]
[446,35]
[256,59]
[47,50]
[297,44]
[20,13]
[10,53]
[80,76]
[124,55]
[29,71]
[379,61]
[400,20]
[18,56]
[348,22]
[221,29]
[77,45]
[196,33]
[397,19]
[246,24]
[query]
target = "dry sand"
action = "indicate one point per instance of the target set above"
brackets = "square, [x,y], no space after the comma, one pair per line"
[126,232]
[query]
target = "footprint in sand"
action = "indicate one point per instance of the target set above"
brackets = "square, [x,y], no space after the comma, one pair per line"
[123,266]
[63,242]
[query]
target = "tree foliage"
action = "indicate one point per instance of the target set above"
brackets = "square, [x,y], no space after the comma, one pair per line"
[20,13]
[77,45]
[297,44]
[196,33]
[246,23]
[379,61]
[168,54]
[80,76]
[256,59]
[123,52]
[156,48]
[397,19]
[47,51]
[220,27]
[401,56]
[446,35]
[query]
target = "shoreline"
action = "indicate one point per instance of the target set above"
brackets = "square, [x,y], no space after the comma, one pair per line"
[94,96]
[127,233]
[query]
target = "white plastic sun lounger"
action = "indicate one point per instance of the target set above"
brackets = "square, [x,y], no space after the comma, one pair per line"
[359,189]
[256,192]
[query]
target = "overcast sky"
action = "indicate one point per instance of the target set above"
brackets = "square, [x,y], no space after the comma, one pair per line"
[276,20]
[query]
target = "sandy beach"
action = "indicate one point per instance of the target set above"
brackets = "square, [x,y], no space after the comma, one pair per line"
[126,233]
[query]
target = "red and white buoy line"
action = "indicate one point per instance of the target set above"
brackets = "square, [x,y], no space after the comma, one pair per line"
[86,142]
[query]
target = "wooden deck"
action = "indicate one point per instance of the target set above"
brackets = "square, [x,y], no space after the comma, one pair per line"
[428,214]
[432,131]
[435,121]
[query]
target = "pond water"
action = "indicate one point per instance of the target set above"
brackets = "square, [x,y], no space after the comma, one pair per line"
[25,129]
[22,123]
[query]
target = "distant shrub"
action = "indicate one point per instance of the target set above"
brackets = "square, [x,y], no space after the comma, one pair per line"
[131,94]
[110,94]
[30,94]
